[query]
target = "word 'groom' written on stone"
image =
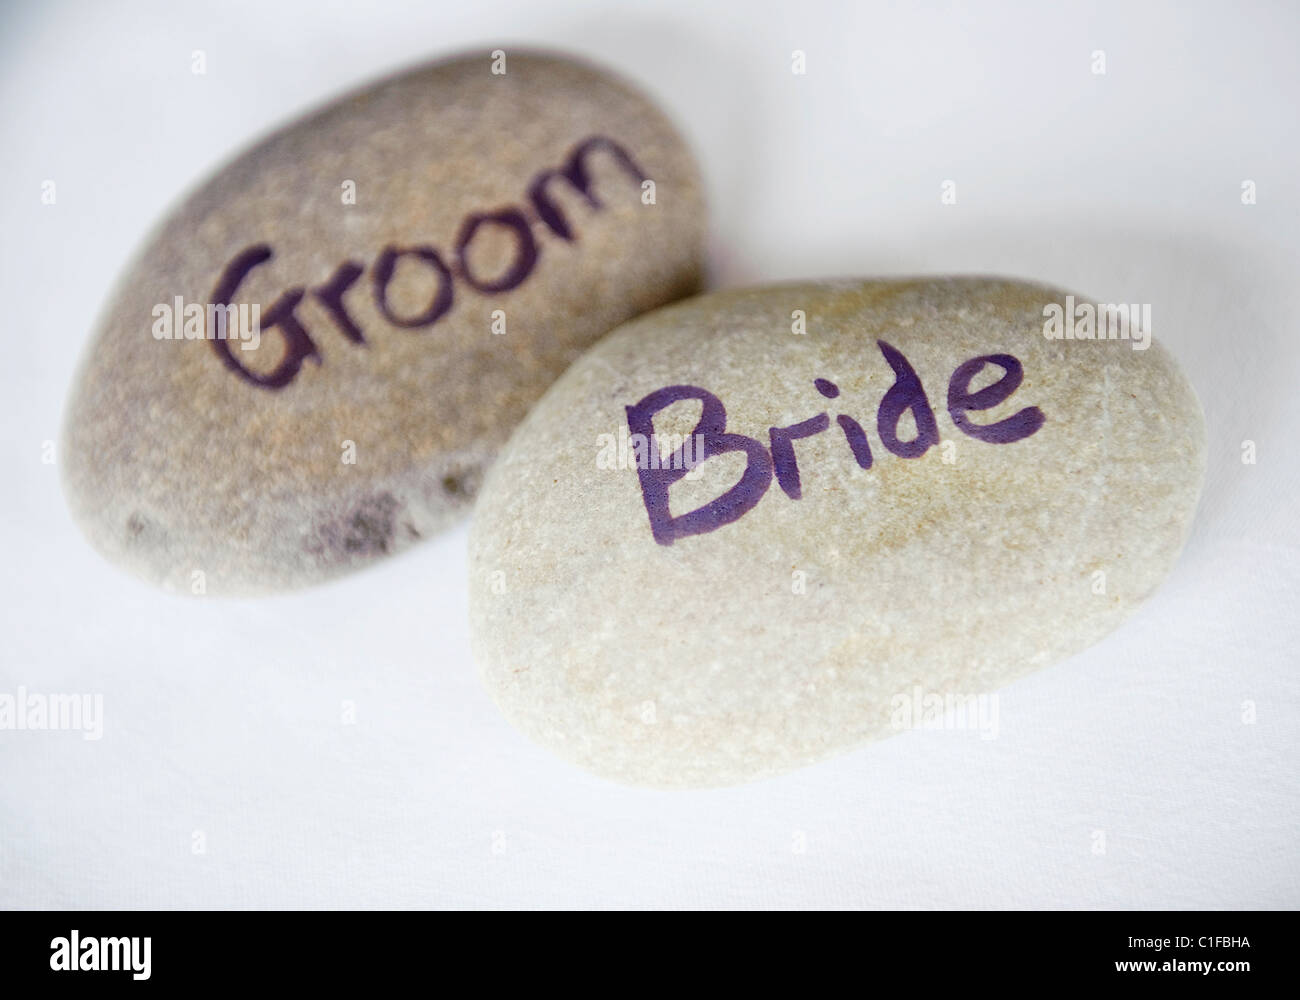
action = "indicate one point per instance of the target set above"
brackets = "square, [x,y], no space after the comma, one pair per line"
[299,344]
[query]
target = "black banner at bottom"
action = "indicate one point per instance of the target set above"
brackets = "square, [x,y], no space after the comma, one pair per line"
[146,949]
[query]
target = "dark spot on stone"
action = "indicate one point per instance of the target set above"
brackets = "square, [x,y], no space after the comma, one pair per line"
[368,529]
[136,525]
[460,483]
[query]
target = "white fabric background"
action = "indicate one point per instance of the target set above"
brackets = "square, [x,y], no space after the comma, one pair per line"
[224,717]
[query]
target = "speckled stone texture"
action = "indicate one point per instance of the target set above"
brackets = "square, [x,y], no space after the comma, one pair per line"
[187,471]
[789,633]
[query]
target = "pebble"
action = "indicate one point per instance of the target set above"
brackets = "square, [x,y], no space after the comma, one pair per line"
[866,507]
[407,270]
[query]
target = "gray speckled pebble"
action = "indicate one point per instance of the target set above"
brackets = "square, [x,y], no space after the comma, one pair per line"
[759,632]
[428,254]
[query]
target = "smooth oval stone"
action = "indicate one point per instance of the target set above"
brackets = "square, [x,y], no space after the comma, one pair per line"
[427,255]
[922,495]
